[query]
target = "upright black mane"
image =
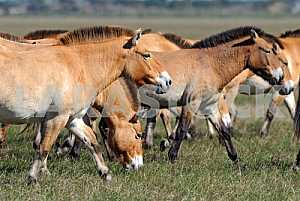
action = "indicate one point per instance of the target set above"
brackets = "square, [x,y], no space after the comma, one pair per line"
[10,37]
[177,40]
[41,34]
[234,34]
[292,34]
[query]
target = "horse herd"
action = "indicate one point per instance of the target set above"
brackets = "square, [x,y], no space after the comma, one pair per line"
[59,79]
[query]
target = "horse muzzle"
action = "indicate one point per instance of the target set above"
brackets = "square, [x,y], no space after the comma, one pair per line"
[278,74]
[164,83]
[136,163]
[287,87]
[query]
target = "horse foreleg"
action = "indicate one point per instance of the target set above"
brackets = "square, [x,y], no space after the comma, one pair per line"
[276,101]
[86,134]
[104,131]
[149,130]
[182,130]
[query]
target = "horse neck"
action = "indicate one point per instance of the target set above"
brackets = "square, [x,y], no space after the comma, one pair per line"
[157,43]
[291,51]
[228,62]
[104,61]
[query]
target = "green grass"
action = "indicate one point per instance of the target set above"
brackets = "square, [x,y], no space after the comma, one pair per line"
[203,171]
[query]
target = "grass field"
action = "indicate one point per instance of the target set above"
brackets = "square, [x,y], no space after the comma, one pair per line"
[203,171]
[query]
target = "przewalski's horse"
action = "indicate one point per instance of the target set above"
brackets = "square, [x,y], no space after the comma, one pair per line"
[69,77]
[122,119]
[199,75]
[290,45]
[35,37]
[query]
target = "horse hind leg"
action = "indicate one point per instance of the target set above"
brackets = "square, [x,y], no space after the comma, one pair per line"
[86,134]
[49,130]
[149,130]
[165,116]
[276,101]
[3,133]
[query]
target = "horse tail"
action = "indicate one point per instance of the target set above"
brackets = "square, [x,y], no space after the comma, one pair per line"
[297,120]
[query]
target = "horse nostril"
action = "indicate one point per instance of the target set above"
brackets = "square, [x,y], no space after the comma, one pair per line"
[170,82]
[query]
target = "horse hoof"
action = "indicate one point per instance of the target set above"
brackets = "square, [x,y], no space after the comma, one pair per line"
[107,178]
[296,168]
[172,155]
[45,171]
[263,133]
[148,145]
[31,180]
[164,144]
[188,136]
[74,155]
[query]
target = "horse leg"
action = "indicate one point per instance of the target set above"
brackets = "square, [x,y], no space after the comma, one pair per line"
[46,136]
[222,123]
[86,134]
[104,131]
[296,166]
[165,116]
[67,145]
[210,128]
[182,130]
[290,103]
[276,101]
[3,133]
[149,130]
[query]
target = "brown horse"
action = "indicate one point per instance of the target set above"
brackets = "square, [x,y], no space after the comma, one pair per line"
[229,91]
[69,77]
[290,42]
[126,112]
[35,37]
[207,71]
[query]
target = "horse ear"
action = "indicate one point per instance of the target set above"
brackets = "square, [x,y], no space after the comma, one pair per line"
[254,35]
[276,49]
[134,40]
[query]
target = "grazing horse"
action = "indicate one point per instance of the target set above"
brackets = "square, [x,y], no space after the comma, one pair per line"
[122,119]
[70,75]
[200,74]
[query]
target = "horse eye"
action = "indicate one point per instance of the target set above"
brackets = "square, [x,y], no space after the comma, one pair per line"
[265,50]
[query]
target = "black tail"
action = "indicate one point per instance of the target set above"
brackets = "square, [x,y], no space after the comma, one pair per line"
[297,120]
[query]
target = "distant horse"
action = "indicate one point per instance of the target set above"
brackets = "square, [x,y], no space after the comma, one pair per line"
[69,76]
